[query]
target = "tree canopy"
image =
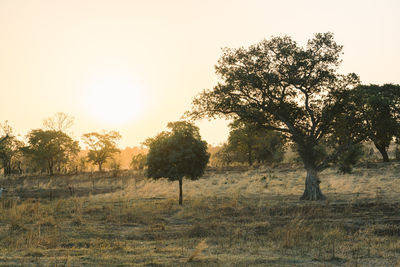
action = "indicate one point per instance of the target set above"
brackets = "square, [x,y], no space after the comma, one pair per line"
[282,86]
[176,154]
[378,109]
[101,146]
[138,161]
[59,122]
[48,148]
[10,150]
[252,143]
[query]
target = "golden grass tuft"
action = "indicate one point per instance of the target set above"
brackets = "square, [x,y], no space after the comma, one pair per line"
[199,249]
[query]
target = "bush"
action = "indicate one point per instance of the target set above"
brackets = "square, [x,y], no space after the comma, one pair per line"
[350,157]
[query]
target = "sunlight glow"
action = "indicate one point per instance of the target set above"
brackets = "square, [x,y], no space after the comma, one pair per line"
[115,100]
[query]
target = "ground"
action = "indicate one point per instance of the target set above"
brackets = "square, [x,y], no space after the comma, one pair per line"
[230,217]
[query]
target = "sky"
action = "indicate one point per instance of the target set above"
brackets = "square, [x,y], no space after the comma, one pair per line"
[133,66]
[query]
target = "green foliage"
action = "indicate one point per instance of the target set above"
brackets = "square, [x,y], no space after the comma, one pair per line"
[281,86]
[82,163]
[138,161]
[50,148]
[10,150]
[278,85]
[226,156]
[101,146]
[178,153]
[247,142]
[350,157]
[378,108]
[270,148]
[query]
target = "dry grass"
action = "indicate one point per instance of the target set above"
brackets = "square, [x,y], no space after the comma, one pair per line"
[238,217]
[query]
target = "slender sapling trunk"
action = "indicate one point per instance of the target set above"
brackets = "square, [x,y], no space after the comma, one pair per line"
[180,190]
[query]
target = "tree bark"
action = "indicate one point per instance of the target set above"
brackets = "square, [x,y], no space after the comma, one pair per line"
[51,166]
[180,191]
[383,152]
[250,155]
[9,167]
[312,190]
[100,167]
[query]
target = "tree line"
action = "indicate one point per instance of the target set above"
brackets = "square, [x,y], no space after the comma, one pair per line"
[276,93]
[52,149]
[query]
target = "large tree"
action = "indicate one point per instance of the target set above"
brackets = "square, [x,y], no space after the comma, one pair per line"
[102,146]
[50,148]
[177,154]
[282,86]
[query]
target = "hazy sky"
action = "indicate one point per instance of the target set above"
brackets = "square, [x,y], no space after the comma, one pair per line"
[143,61]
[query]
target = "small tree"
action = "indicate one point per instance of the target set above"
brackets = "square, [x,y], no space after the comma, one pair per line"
[101,146]
[350,157]
[177,154]
[50,148]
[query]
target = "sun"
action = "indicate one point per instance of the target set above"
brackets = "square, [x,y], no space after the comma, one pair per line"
[115,100]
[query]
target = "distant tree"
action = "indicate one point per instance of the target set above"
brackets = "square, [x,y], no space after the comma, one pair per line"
[59,122]
[49,148]
[378,107]
[281,86]
[225,156]
[82,163]
[255,143]
[10,150]
[242,139]
[270,147]
[177,154]
[101,146]
[115,165]
[138,161]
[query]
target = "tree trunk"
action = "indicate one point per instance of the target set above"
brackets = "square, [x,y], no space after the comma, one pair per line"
[9,167]
[180,191]
[51,166]
[19,167]
[383,152]
[6,167]
[250,159]
[100,167]
[312,190]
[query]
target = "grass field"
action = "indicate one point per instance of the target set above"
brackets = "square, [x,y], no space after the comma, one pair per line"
[232,217]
